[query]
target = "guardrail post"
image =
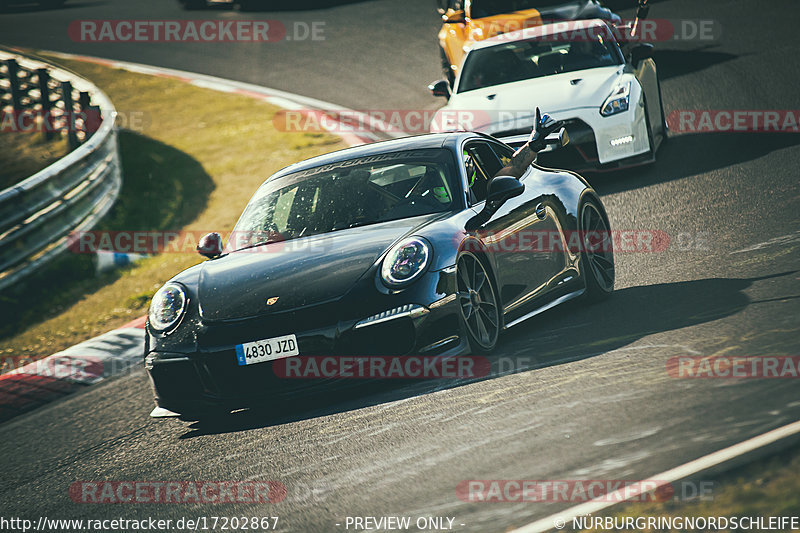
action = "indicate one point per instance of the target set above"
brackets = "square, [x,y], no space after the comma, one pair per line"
[69,110]
[83,110]
[16,90]
[91,115]
[47,105]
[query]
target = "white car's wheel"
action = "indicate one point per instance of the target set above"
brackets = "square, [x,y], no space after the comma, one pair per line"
[651,141]
[664,125]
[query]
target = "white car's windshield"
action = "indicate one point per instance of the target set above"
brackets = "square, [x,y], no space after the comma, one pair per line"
[535,58]
[355,192]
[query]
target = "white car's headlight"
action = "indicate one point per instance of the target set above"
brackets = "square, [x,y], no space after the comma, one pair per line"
[405,262]
[167,307]
[618,102]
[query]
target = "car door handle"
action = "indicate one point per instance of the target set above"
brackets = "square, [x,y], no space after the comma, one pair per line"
[541,212]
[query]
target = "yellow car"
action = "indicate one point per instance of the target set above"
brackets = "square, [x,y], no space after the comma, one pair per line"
[469,21]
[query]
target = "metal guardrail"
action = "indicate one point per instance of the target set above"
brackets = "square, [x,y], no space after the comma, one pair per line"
[38,214]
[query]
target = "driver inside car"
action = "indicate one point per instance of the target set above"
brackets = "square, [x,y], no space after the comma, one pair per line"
[478,182]
[587,54]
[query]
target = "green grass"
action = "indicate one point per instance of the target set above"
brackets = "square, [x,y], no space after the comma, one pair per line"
[763,488]
[193,165]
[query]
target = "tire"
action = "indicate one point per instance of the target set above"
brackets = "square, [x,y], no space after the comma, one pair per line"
[664,124]
[650,139]
[446,70]
[479,306]
[597,254]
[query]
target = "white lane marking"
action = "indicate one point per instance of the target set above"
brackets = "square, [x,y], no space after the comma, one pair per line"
[286,104]
[136,68]
[630,437]
[782,240]
[214,86]
[670,476]
[605,467]
[683,347]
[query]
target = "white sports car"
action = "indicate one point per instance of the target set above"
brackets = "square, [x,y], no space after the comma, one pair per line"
[577,72]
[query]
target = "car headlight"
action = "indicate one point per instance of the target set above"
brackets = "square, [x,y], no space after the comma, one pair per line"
[618,102]
[405,262]
[167,307]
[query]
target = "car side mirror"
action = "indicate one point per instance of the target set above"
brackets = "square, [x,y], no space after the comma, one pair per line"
[210,245]
[641,52]
[440,88]
[558,139]
[454,17]
[502,189]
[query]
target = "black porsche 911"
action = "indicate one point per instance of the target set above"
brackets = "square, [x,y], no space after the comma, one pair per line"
[412,246]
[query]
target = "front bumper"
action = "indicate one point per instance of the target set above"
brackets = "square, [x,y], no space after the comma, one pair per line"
[209,375]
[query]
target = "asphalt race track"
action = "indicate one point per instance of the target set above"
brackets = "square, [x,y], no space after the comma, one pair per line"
[592,399]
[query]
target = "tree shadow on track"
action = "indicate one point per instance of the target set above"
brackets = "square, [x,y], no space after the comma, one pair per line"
[162,189]
[674,63]
[568,333]
[693,154]
[579,331]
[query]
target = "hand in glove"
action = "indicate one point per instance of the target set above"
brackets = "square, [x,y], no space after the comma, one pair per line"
[544,126]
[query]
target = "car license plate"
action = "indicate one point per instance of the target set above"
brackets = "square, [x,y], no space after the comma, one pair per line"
[267,350]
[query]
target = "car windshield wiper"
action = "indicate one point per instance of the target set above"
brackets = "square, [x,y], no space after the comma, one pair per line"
[361,223]
[260,243]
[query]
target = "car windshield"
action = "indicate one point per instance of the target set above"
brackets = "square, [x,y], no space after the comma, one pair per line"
[535,58]
[347,194]
[489,8]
